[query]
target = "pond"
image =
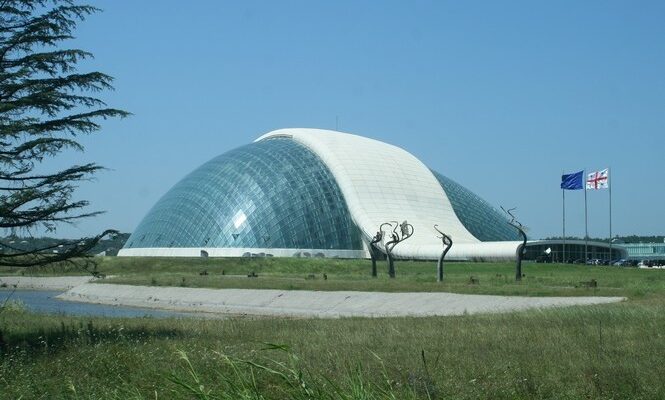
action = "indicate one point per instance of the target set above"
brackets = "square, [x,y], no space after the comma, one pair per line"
[45,301]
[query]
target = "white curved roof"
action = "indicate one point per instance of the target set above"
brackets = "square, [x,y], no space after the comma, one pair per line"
[381,182]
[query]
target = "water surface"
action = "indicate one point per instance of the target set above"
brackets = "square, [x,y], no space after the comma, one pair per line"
[45,302]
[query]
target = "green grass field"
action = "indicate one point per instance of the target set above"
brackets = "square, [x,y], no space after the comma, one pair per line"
[612,351]
[307,274]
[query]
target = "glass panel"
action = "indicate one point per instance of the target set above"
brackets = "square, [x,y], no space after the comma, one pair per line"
[481,219]
[274,193]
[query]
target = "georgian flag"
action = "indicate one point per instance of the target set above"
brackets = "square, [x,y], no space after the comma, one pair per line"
[598,180]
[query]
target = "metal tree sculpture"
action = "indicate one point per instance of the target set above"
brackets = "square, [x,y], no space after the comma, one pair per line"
[373,251]
[406,231]
[447,244]
[521,249]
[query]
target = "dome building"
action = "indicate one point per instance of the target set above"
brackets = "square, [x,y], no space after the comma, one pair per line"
[318,193]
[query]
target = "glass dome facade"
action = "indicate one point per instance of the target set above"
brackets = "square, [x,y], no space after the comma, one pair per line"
[478,216]
[274,193]
[279,193]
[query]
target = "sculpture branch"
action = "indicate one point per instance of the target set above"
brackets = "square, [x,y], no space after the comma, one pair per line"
[447,244]
[373,250]
[521,249]
[406,231]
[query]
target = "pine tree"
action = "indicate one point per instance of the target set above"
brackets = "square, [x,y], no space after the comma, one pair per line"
[45,105]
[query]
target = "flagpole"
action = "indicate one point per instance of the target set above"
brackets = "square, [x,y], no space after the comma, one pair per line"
[563,191]
[609,187]
[586,224]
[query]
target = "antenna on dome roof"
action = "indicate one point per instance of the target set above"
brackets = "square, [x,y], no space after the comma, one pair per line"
[337,123]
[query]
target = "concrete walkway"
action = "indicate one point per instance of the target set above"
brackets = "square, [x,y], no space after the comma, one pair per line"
[305,303]
[44,283]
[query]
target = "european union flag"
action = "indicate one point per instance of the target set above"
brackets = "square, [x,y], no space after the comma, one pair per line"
[574,181]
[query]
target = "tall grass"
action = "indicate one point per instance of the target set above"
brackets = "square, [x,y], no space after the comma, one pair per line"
[12,305]
[598,352]
[275,378]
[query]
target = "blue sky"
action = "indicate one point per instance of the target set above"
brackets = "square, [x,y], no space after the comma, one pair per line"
[499,96]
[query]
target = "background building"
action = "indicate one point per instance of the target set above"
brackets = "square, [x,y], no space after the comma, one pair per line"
[575,249]
[654,252]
